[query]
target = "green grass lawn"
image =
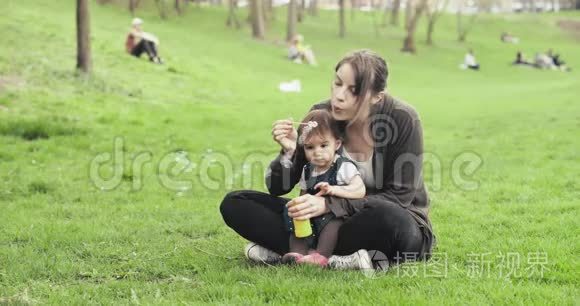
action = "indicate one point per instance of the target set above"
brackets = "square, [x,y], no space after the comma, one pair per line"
[157,237]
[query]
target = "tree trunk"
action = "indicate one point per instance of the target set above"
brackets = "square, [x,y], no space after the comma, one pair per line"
[178,7]
[161,8]
[430,29]
[433,11]
[532,4]
[232,17]
[133,5]
[395,13]
[463,29]
[291,22]
[265,13]
[301,6]
[270,10]
[83,37]
[408,14]
[313,8]
[460,35]
[341,25]
[385,14]
[257,19]
[409,42]
[375,8]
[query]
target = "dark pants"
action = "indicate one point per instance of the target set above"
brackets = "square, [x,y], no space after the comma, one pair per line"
[384,227]
[145,46]
[474,67]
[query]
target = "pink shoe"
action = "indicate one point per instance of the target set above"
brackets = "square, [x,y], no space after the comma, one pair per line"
[314,259]
[291,258]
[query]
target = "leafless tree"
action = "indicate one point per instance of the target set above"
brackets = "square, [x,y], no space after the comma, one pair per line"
[161,8]
[269,5]
[83,37]
[301,8]
[133,5]
[292,18]
[232,17]
[375,7]
[416,12]
[178,7]
[395,12]
[410,4]
[341,25]
[257,19]
[269,10]
[464,28]
[433,11]
[313,8]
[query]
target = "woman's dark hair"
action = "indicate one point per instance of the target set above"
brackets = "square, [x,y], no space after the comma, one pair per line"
[370,77]
[324,124]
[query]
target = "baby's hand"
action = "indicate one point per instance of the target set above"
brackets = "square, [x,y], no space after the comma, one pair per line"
[325,189]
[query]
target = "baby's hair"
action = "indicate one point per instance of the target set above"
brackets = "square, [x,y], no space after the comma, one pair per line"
[317,122]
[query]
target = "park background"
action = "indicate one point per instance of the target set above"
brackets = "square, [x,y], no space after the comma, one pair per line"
[111,179]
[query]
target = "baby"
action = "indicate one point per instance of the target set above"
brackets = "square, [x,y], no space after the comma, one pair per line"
[326,173]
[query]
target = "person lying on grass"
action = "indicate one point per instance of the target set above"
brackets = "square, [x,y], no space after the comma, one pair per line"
[325,173]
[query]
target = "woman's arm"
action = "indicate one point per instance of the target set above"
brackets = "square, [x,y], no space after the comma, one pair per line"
[281,176]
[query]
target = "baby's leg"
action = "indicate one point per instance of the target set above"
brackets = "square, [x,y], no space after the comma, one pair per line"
[298,245]
[328,238]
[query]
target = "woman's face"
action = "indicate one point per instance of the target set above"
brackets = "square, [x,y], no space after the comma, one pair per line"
[343,99]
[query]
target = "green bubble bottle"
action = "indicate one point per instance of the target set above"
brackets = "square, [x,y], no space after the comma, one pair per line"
[302,228]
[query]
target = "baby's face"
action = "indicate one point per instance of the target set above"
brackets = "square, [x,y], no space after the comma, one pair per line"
[320,149]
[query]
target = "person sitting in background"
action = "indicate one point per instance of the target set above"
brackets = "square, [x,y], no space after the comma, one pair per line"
[520,60]
[139,41]
[507,38]
[299,53]
[469,61]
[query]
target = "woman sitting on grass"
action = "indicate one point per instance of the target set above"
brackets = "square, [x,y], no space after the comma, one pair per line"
[384,138]
[139,42]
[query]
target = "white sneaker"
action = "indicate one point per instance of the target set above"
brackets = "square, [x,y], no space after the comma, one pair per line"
[360,260]
[260,254]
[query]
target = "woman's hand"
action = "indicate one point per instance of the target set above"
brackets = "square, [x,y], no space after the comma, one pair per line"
[284,133]
[306,206]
